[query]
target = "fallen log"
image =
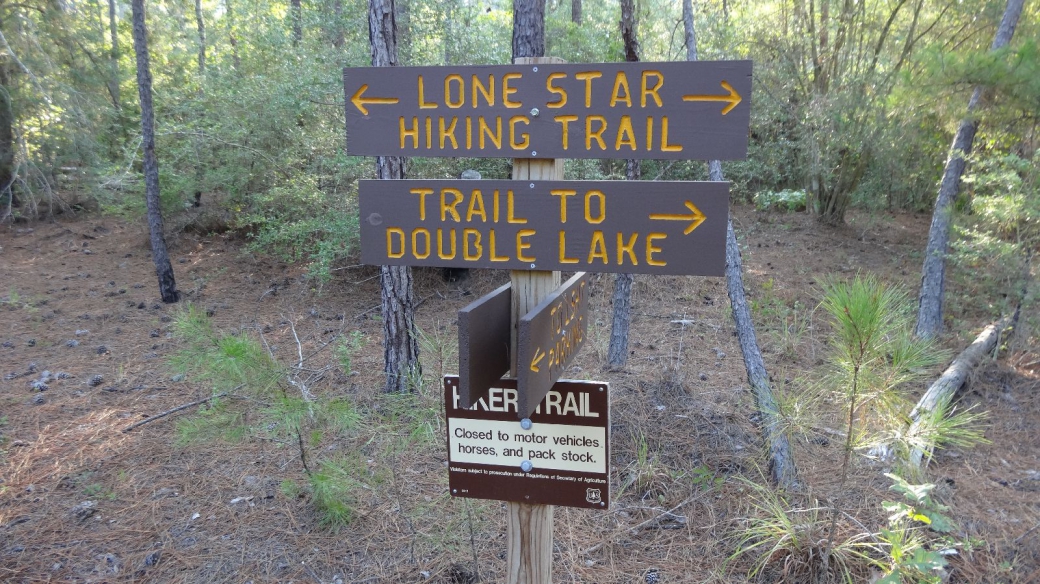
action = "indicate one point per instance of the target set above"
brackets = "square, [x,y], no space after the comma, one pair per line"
[944,389]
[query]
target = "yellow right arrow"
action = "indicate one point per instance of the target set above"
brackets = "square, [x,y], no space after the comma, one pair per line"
[733,98]
[537,359]
[695,217]
[360,102]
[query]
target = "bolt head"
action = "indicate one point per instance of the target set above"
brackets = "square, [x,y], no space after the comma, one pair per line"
[526,466]
[526,423]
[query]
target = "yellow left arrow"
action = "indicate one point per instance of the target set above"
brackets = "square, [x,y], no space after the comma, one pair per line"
[537,359]
[695,217]
[360,102]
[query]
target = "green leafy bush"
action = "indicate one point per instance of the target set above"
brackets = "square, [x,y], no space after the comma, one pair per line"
[785,200]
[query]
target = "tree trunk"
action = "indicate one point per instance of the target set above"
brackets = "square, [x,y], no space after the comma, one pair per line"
[528,28]
[296,18]
[113,82]
[202,37]
[933,272]
[617,353]
[338,36]
[200,172]
[232,39]
[576,12]
[400,345]
[7,198]
[781,459]
[942,392]
[163,268]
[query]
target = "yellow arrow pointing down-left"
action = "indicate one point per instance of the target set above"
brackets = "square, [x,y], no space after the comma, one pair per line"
[537,359]
[360,102]
[695,217]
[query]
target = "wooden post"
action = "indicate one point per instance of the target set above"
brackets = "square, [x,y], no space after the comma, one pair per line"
[529,533]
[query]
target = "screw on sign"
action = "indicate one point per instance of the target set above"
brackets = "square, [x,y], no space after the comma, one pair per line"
[677,110]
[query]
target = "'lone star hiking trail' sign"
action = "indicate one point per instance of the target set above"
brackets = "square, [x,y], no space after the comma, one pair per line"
[643,227]
[679,110]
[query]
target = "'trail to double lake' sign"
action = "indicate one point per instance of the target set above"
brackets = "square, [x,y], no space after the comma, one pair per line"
[645,227]
[562,458]
[680,110]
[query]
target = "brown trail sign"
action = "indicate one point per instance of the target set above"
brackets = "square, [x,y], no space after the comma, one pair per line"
[677,110]
[649,227]
[561,458]
[483,344]
[549,338]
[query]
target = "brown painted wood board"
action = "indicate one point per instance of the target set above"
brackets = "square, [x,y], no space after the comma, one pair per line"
[549,337]
[671,110]
[483,344]
[568,446]
[647,227]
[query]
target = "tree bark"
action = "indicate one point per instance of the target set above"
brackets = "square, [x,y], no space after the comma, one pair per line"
[576,12]
[163,267]
[7,198]
[201,25]
[338,36]
[617,352]
[933,272]
[942,392]
[400,344]
[782,468]
[113,56]
[200,169]
[296,17]
[528,28]
[236,61]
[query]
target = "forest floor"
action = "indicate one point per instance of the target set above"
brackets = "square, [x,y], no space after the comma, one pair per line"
[79,297]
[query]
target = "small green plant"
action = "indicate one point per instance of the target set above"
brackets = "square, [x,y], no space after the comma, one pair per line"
[441,345]
[905,539]
[345,350]
[335,490]
[786,200]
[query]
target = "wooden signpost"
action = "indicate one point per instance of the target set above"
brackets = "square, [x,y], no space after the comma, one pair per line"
[676,110]
[536,441]
[676,228]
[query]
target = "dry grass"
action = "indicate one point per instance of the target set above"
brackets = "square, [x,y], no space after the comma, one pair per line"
[682,428]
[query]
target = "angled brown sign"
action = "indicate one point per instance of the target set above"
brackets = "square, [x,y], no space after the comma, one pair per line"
[675,110]
[484,334]
[644,227]
[548,338]
[561,458]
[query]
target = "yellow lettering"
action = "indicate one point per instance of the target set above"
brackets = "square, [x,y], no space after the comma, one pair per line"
[665,146]
[415,243]
[469,132]
[629,248]
[564,121]
[620,83]
[563,250]
[649,133]
[596,135]
[510,217]
[494,207]
[625,129]
[507,90]
[440,244]
[521,245]
[456,104]
[476,206]
[563,194]
[391,231]
[466,233]
[597,248]
[413,132]
[557,90]
[652,91]
[483,129]
[587,77]
[429,133]
[448,132]
[651,249]
[422,201]
[488,92]
[602,207]
[513,121]
[491,249]
[450,208]
[422,96]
